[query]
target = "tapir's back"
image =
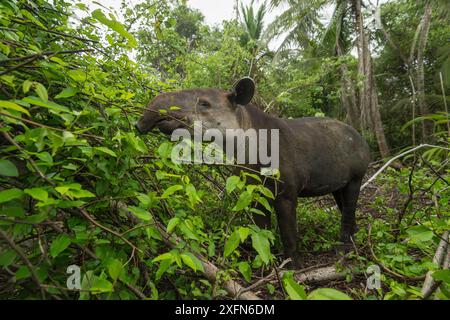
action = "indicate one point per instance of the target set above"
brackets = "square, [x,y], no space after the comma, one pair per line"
[329,151]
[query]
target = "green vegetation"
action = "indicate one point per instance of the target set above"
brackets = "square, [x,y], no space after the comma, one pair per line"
[78,186]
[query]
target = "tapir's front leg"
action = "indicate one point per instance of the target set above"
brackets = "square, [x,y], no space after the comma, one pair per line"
[287,221]
[263,218]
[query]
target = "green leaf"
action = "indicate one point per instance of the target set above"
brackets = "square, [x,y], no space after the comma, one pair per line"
[191,192]
[100,285]
[293,289]
[59,245]
[45,156]
[420,233]
[265,203]
[245,270]
[164,256]
[80,194]
[46,104]
[232,183]
[78,75]
[7,257]
[243,233]
[114,25]
[106,150]
[192,261]
[245,199]
[67,93]
[261,244]
[37,193]
[172,224]
[63,189]
[328,294]
[13,106]
[171,190]
[140,213]
[442,275]
[266,192]
[8,169]
[22,273]
[232,243]
[163,266]
[114,269]
[41,91]
[10,194]
[26,85]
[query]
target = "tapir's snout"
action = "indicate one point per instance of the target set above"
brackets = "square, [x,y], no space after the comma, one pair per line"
[138,128]
[146,124]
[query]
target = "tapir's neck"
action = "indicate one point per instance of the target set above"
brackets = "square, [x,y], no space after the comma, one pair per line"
[256,152]
[250,116]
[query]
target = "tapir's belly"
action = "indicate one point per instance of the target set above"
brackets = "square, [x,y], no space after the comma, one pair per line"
[326,172]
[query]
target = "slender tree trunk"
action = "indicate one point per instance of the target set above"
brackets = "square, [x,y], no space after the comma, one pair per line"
[364,89]
[377,123]
[348,96]
[368,99]
[427,125]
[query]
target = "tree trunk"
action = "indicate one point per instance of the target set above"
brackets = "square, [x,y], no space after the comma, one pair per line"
[377,123]
[348,96]
[427,125]
[368,99]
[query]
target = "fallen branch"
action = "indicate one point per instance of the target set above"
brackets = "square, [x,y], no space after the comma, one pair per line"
[209,270]
[320,275]
[387,164]
[440,258]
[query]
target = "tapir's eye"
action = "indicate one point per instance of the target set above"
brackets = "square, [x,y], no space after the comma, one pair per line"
[204,103]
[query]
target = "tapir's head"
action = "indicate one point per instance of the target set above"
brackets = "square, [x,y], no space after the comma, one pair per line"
[216,108]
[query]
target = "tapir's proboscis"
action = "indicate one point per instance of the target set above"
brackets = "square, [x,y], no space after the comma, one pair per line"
[317,155]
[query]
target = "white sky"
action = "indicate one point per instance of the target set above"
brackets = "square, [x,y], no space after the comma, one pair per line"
[214,11]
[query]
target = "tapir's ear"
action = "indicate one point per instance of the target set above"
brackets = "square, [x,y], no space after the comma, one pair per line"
[243,91]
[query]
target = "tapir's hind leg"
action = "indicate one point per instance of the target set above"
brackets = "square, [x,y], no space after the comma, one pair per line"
[338,198]
[346,199]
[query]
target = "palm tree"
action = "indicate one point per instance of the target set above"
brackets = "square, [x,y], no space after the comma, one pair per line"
[299,22]
[253,22]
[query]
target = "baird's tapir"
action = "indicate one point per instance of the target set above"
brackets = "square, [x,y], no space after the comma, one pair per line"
[317,155]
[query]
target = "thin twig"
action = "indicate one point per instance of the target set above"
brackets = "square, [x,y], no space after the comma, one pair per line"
[24,258]
[387,164]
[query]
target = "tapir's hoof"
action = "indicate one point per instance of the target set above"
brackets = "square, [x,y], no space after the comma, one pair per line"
[295,263]
[344,248]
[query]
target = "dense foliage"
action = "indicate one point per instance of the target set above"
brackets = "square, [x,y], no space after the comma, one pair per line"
[78,186]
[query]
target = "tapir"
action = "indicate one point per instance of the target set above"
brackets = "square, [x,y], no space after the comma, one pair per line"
[317,155]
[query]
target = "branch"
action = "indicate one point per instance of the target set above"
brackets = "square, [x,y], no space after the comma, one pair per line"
[210,270]
[62,34]
[319,275]
[46,53]
[24,258]
[19,65]
[387,164]
[51,128]
[83,212]
[442,251]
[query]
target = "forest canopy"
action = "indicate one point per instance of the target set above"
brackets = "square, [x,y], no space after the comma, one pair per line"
[83,194]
